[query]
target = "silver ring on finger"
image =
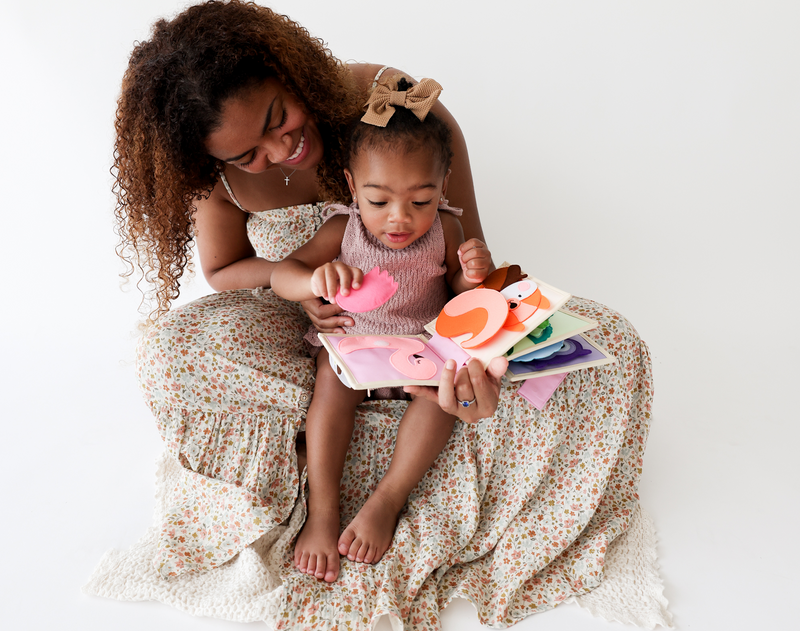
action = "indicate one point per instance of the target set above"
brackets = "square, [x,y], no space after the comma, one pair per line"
[465,404]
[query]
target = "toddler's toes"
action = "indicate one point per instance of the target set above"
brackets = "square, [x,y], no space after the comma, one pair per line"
[311,568]
[363,554]
[301,561]
[319,565]
[332,572]
[378,552]
[347,544]
[316,546]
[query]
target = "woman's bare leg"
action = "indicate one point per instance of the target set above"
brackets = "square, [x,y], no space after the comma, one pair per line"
[423,433]
[329,427]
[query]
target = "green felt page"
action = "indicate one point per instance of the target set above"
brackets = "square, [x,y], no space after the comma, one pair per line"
[564,323]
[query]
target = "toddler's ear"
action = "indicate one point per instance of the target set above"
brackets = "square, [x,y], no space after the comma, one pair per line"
[444,182]
[352,183]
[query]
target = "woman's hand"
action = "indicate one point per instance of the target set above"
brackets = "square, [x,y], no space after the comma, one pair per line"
[323,316]
[470,383]
[475,259]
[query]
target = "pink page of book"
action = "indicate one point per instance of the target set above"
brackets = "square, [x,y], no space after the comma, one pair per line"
[388,360]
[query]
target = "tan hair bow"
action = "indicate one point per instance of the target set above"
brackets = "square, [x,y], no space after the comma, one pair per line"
[419,98]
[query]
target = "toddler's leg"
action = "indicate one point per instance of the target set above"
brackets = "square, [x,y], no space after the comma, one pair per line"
[423,433]
[329,427]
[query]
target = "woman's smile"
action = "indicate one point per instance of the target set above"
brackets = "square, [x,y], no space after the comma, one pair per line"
[298,154]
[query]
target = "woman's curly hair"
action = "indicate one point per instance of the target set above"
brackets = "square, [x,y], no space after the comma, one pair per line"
[172,94]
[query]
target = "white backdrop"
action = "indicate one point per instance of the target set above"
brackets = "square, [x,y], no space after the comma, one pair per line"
[646,155]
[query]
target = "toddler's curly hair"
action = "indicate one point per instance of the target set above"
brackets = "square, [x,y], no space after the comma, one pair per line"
[404,132]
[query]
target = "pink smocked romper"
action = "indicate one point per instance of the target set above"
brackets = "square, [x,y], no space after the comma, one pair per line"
[419,270]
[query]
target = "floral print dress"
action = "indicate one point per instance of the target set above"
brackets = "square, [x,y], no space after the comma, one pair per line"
[515,515]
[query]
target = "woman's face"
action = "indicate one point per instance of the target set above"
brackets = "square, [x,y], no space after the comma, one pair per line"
[265,127]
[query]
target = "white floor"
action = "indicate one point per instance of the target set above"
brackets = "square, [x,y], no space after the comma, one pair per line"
[651,154]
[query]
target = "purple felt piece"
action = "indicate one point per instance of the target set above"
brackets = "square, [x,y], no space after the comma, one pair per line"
[579,352]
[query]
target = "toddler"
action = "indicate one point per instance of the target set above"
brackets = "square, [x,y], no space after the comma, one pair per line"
[397,170]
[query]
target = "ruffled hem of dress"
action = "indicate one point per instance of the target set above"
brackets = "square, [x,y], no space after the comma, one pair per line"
[258,507]
[631,591]
[245,589]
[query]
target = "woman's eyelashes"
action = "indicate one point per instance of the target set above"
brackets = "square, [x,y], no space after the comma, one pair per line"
[282,122]
[284,116]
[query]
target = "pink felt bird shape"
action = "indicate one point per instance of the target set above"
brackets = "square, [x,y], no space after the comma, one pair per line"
[376,289]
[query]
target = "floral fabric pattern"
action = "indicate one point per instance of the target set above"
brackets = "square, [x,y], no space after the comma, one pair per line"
[515,515]
[277,233]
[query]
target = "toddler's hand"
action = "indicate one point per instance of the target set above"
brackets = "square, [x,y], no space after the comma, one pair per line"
[328,278]
[476,261]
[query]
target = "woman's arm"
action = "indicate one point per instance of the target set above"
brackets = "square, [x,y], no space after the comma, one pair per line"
[460,189]
[227,257]
[309,272]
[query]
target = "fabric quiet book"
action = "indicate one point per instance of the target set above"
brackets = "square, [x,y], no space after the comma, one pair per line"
[510,314]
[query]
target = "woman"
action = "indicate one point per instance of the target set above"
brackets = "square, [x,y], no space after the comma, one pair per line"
[229,109]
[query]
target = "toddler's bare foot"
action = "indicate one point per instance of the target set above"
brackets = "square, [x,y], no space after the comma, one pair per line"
[315,550]
[370,533]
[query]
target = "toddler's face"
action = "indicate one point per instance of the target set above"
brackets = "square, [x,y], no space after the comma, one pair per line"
[398,194]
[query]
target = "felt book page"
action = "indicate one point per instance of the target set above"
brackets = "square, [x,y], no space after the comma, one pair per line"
[577,352]
[538,391]
[563,324]
[487,321]
[366,362]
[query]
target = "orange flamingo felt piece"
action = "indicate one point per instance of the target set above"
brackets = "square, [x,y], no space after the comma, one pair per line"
[505,300]
[480,312]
